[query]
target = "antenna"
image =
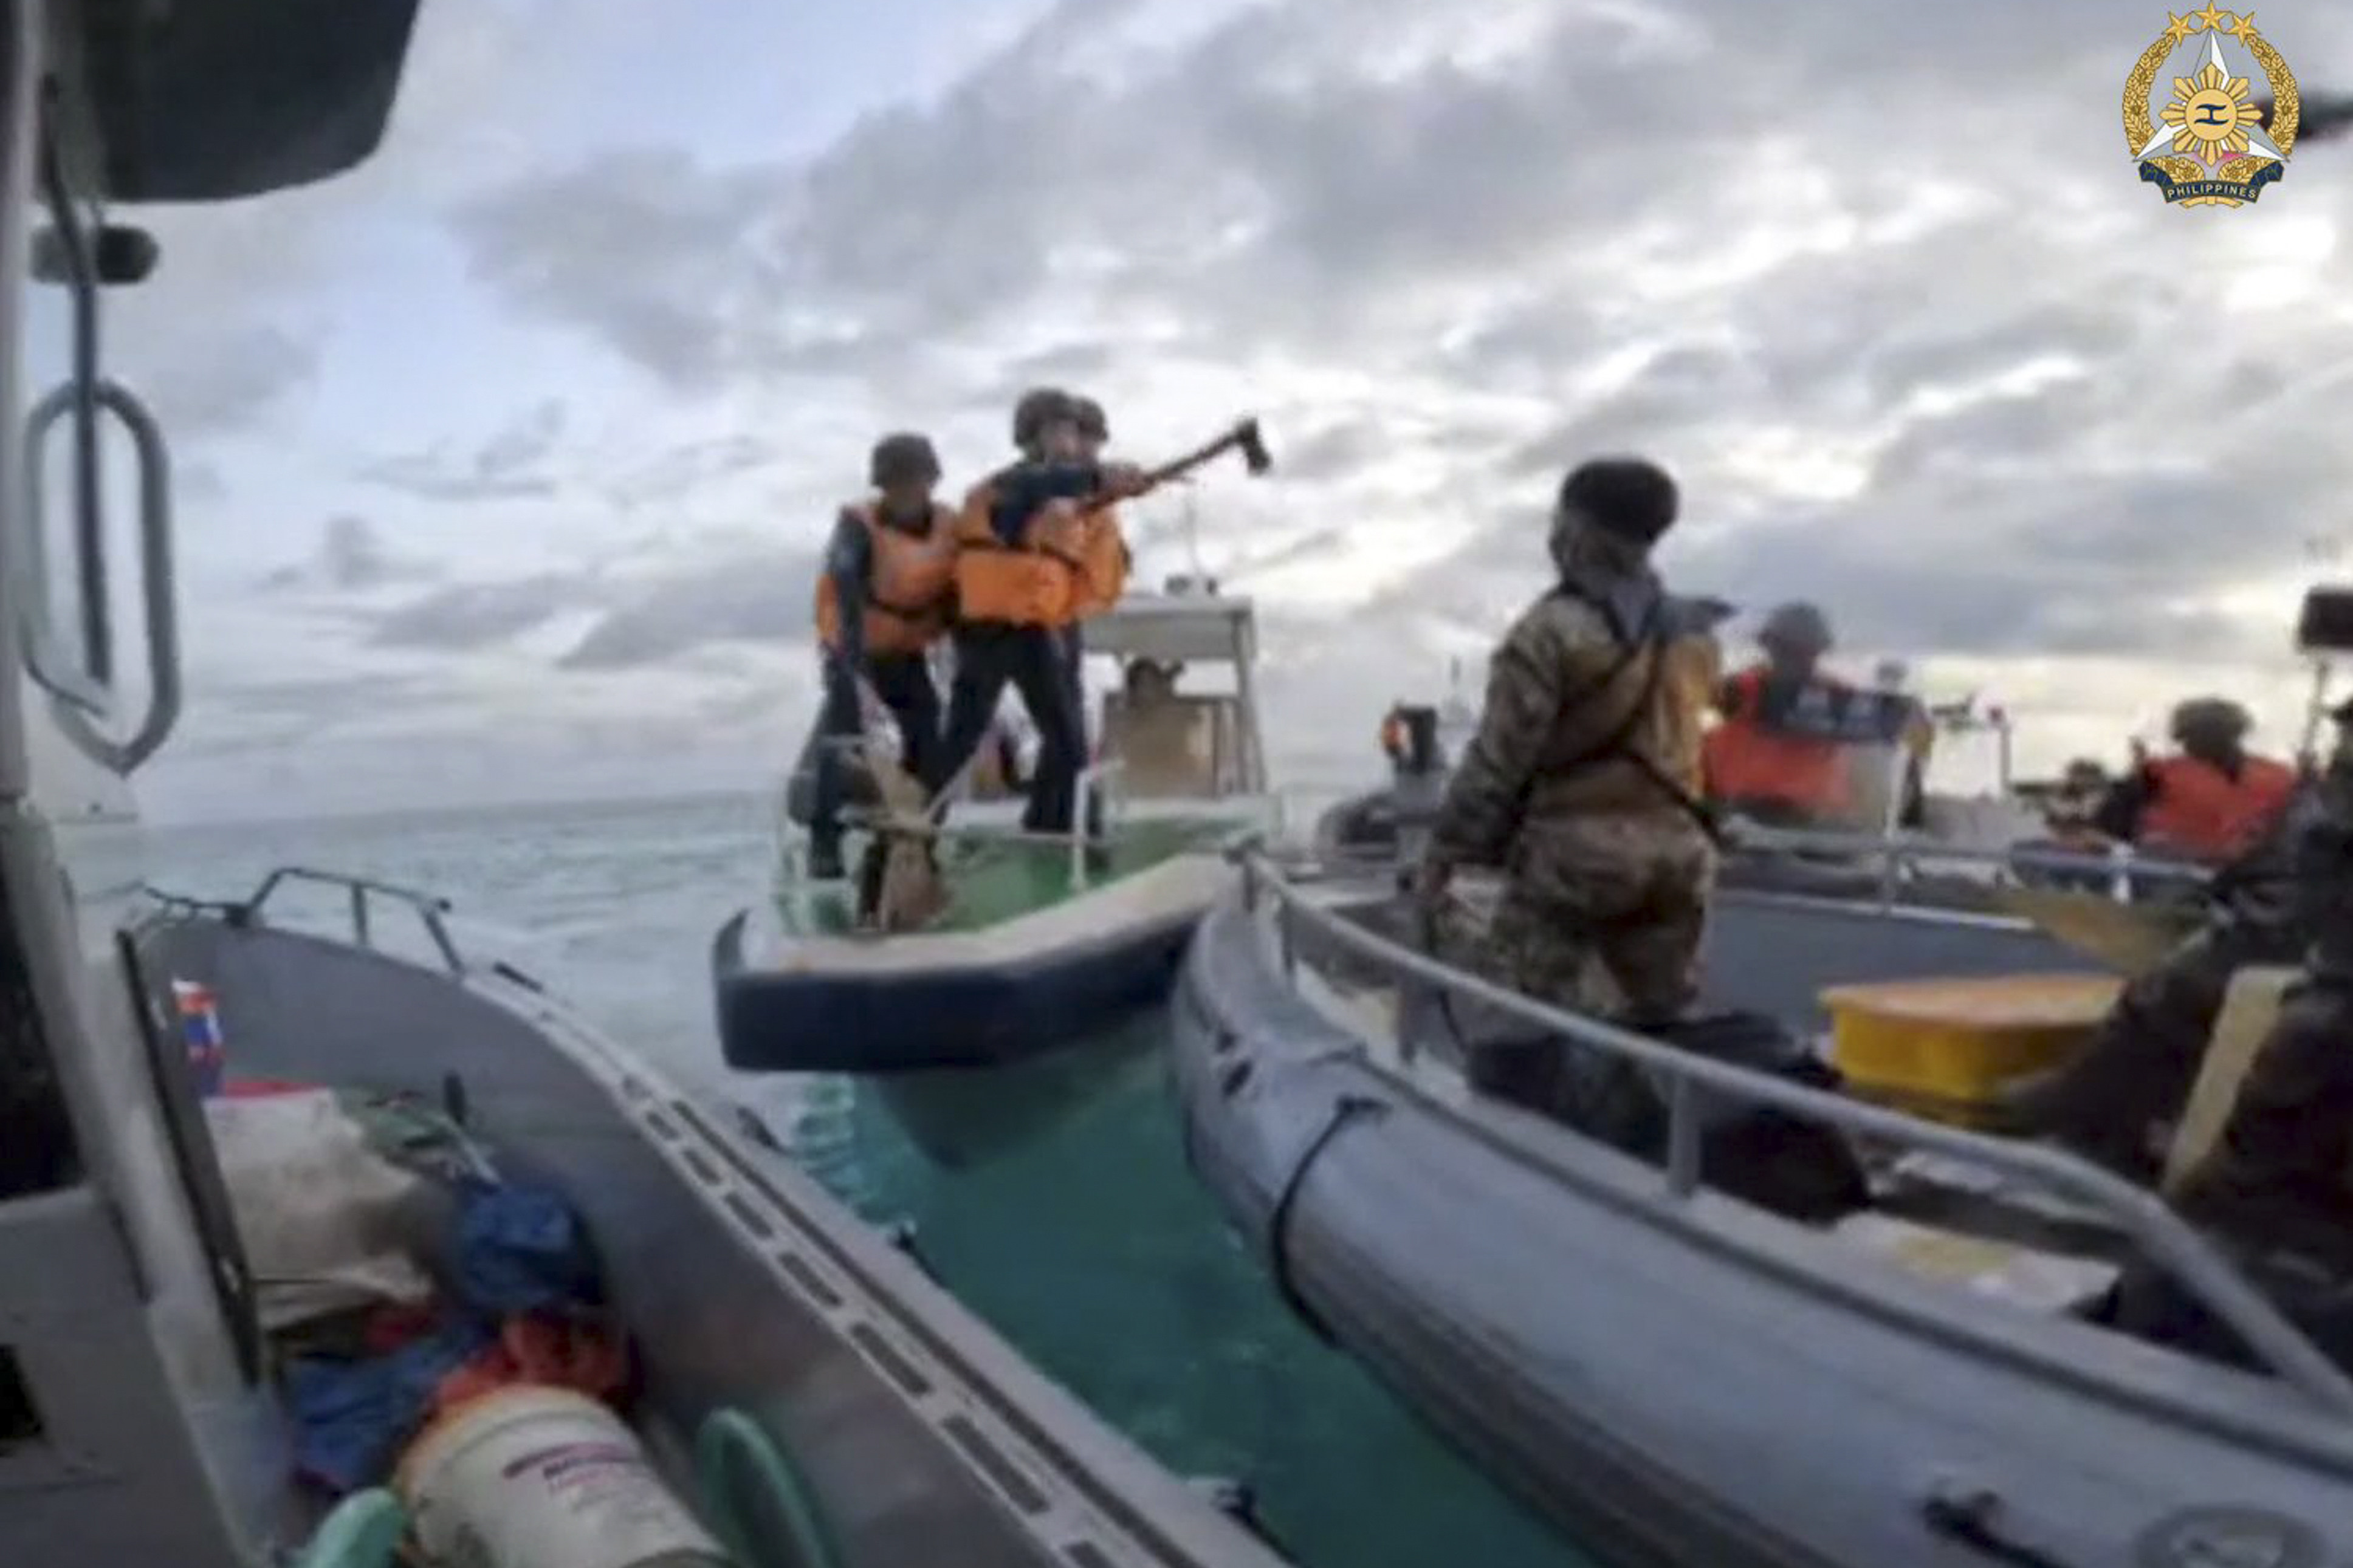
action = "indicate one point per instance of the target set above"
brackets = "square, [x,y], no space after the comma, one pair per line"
[1193,533]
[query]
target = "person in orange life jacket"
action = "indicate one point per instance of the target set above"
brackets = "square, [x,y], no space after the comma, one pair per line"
[1782,749]
[2206,802]
[1015,581]
[883,600]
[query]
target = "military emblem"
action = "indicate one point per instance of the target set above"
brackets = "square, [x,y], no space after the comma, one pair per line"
[2202,139]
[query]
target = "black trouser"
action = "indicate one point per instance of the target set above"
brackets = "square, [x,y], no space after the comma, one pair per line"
[903,682]
[1033,658]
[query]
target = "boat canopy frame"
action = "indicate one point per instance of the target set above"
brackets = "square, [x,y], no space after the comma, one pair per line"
[2160,1234]
[1193,628]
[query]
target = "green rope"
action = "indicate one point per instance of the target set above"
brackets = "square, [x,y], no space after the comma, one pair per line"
[733,1444]
[363,1532]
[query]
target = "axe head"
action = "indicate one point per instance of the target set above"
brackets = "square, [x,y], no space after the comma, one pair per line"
[1252,447]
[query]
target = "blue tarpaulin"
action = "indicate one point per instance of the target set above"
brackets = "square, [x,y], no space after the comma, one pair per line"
[512,1249]
[351,1417]
[518,1248]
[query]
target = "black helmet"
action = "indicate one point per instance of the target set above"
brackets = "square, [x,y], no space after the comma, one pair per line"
[1038,407]
[1093,423]
[2216,717]
[1799,625]
[1629,496]
[900,457]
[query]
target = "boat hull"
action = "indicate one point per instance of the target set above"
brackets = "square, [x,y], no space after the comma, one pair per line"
[744,1285]
[1007,993]
[1686,1379]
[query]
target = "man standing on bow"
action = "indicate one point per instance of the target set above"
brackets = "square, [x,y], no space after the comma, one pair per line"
[1026,540]
[1581,781]
[882,601]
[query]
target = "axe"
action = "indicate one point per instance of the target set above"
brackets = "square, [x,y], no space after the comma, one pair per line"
[1244,437]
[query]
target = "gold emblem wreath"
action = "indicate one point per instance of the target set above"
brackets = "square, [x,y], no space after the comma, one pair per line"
[2287,108]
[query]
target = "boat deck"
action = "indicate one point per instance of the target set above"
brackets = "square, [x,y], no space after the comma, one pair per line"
[992,880]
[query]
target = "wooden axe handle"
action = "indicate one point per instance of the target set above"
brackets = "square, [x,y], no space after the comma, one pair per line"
[1155,477]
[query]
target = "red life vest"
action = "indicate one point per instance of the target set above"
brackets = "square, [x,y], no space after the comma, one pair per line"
[2198,811]
[1744,760]
[907,596]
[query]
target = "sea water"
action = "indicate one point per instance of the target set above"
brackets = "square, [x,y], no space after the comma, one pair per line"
[1054,1199]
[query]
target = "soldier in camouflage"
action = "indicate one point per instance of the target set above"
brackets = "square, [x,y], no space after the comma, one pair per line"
[2115,1102]
[1581,781]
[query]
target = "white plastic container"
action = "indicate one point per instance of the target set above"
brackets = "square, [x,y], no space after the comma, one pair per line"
[543,1477]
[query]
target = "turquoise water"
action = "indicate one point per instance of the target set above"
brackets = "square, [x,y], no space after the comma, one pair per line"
[1053,1198]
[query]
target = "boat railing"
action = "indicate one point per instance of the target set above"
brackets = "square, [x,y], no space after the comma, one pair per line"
[2121,869]
[362,893]
[1095,783]
[2160,1234]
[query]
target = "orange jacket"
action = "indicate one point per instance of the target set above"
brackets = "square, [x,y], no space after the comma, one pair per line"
[1743,759]
[907,595]
[1062,566]
[2198,811]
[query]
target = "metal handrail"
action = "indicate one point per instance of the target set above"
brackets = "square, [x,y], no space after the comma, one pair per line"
[2120,865]
[429,908]
[2161,1233]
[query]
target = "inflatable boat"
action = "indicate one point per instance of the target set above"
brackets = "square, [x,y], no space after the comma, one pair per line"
[1671,1357]
[795,1390]
[1036,942]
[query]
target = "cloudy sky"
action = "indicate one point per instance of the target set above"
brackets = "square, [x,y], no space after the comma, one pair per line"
[503,461]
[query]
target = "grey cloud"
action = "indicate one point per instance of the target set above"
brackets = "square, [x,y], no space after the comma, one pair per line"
[758,598]
[227,379]
[469,616]
[511,463]
[1491,235]
[684,468]
[198,481]
[1331,452]
[648,246]
[352,558]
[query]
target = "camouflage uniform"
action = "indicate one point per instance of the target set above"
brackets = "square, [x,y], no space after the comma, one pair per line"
[2280,1177]
[1579,783]
[2135,1073]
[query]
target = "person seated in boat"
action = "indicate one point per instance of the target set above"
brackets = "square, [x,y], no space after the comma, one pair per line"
[882,601]
[1580,781]
[2209,800]
[1785,746]
[1023,580]
[2274,1188]
[2115,1102]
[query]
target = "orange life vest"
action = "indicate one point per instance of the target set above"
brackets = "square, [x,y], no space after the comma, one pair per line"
[1066,563]
[1742,759]
[907,595]
[1103,563]
[2198,811]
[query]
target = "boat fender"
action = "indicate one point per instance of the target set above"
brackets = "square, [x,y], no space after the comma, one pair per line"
[1347,1111]
[749,1481]
[1972,1519]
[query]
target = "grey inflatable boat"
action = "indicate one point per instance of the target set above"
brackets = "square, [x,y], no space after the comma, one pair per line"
[1680,1376]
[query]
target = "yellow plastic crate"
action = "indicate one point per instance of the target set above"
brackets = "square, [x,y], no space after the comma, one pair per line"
[1950,1047]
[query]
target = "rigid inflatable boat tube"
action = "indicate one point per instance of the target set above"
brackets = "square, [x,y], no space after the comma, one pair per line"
[730,1444]
[1346,1111]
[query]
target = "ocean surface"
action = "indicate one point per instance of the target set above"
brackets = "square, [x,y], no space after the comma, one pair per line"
[1055,1202]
